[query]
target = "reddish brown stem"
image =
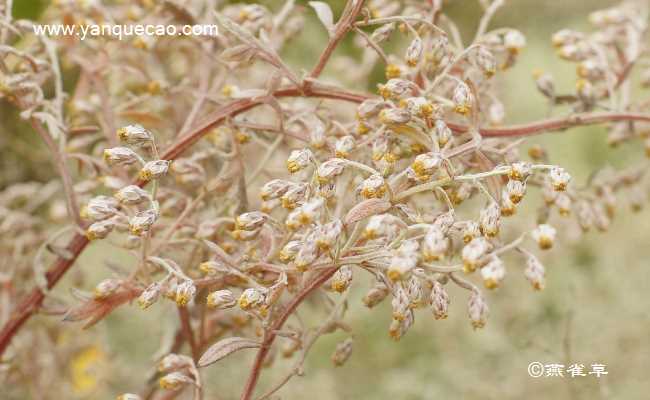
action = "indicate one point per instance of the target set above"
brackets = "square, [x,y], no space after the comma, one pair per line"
[270,335]
[186,328]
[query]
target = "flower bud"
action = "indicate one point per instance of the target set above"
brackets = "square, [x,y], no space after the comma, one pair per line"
[221,299]
[213,267]
[330,169]
[434,245]
[342,352]
[485,61]
[493,272]
[471,230]
[149,295]
[563,204]
[477,309]
[326,235]
[462,99]
[174,381]
[394,116]
[135,135]
[439,301]
[507,207]
[106,288]
[370,108]
[403,260]
[545,83]
[344,146]
[306,255]
[290,250]
[154,170]
[173,362]
[382,33]
[100,229]
[514,41]
[442,132]
[473,252]
[535,272]
[372,187]
[544,235]
[294,195]
[375,295]
[131,194]
[185,292]
[120,156]
[520,171]
[515,190]
[426,164]
[99,208]
[419,106]
[140,224]
[274,189]
[490,219]
[396,88]
[250,221]
[414,52]
[415,292]
[342,279]
[299,159]
[566,36]
[251,298]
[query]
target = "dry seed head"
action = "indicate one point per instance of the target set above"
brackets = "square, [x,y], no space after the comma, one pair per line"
[342,352]
[221,299]
[299,159]
[106,288]
[250,299]
[493,272]
[154,170]
[149,295]
[544,235]
[135,135]
[120,156]
[490,219]
[342,279]
[131,194]
[477,310]
[439,301]
[535,272]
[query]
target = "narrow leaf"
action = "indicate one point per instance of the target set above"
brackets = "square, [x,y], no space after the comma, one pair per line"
[224,348]
[324,13]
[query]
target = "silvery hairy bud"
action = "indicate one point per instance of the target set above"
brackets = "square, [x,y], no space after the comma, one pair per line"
[221,299]
[250,221]
[185,292]
[545,83]
[174,381]
[141,222]
[342,352]
[307,254]
[294,195]
[544,235]
[439,301]
[330,169]
[149,295]
[490,219]
[563,203]
[174,362]
[496,113]
[415,292]
[514,41]
[444,221]
[591,70]
[462,193]
[477,310]
[342,279]
[131,194]
[372,187]
[515,190]
[535,272]
[213,267]
[382,33]
[106,288]
[99,208]
[419,106]
[520,171]
[375,295]
[578,51]
[473,252]
[425,165]
[414,52]
[585,215]
[585,92]
[394,116]
[154,170]
[274,189]
[250,299]
[471,230]
[493,272]
[566,36]
[403,260]
[290,250]
[485,61]
[100,229]
[396,88]
[400,303]
[299,159]
[370,108]
[434,245]
[462,99]
[344,146]
[120,156]
[441,132]
[399,327]
[327,235]
[135,135]
[317,134]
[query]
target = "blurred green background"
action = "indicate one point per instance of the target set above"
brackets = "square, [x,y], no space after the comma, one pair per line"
[595,308]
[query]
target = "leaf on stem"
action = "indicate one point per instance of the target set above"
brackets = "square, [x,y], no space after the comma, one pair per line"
[224,348]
